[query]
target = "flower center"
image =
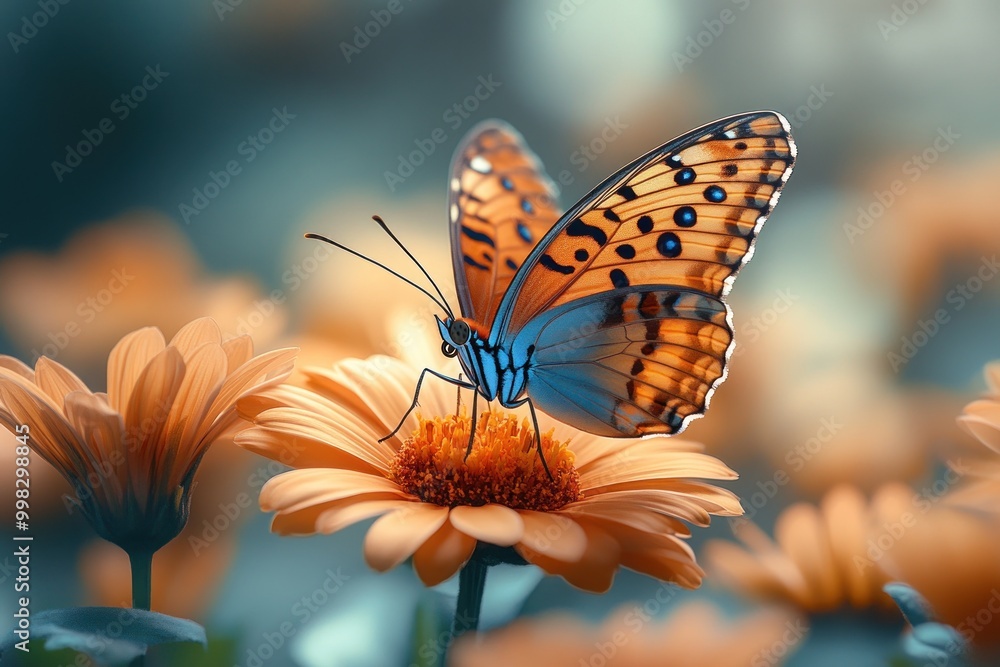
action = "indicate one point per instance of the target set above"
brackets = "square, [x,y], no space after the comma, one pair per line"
[503,468]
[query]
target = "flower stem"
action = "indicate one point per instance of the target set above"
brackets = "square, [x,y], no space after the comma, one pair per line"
[471,584]
[142,578]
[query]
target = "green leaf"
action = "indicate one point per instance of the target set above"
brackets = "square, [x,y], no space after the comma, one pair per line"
[915,608]
[109,635]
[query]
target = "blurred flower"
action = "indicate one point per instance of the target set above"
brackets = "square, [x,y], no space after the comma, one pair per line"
[933,245]
[114,277]
[981,418]
[610,503]
[843,552]
[694,635]
[131,454]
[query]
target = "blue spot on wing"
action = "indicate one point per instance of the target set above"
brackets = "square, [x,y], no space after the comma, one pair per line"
[524,232]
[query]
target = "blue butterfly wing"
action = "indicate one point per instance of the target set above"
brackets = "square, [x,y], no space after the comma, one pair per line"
[628,362]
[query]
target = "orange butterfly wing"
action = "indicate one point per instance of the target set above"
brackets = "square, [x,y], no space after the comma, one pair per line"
[500,205]
[623,298]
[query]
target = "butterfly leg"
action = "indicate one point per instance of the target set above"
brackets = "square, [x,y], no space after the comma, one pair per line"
[538,432]
[416,395]
[472,424]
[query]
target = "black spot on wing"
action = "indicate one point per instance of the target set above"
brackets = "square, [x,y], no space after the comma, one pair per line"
[472,262]
[580,228]
[478,236]
[553,265]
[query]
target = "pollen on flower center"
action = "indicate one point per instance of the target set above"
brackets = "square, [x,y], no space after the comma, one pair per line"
[503,468]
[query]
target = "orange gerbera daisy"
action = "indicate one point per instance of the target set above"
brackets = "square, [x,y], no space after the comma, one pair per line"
[842,553]
[610,503]
[131,453]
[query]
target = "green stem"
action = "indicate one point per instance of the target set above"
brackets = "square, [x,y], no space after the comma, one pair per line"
[471,584]
[142,578]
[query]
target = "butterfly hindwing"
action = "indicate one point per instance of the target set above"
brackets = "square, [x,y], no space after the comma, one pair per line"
[501,204]
[685,215]
[630,361]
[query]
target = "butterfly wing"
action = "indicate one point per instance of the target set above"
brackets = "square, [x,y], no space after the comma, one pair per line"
[500,205]
[630,361]
[622,300]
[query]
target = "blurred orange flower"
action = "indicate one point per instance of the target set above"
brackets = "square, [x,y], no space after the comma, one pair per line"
[840,554]
[610,503]
[981,418]
[694,635]
[114,277]
[131,454]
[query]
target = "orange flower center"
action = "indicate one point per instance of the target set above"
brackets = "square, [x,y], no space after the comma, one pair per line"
[503,468]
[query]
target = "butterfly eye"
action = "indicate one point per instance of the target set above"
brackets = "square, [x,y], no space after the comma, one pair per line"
[448,350]
[460,332]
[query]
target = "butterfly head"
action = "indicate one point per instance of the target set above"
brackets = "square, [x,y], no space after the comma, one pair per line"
[455,333]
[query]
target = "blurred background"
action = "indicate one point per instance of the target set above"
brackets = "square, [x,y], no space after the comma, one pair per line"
[164,160]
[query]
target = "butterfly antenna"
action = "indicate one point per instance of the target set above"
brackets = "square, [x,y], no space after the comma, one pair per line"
[385,228]
[406,280]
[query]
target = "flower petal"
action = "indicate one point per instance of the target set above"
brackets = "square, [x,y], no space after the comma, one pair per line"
[194,334]
[239,350]
[127,361]
[17,366]
[553,535]
[495,524]
[297,489]
[205,370]
[594,572]
[394,537]
[442,555]
[56,380]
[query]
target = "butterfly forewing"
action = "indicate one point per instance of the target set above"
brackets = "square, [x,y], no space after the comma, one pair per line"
[501,204]
[684,215]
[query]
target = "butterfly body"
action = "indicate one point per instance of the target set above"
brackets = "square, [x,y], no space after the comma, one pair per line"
[610,317]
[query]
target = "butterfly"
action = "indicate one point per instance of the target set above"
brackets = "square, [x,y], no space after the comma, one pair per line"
[610,317]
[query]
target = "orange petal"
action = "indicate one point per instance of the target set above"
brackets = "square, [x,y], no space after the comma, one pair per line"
[327,518]
[127,361]
[194,334]
[51,434]
[553,535]
[17,366]
[205,371]
[442,555]
[594,572]
[495,524]
[297,489]
[394,537]
[239,350]
[56,380]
